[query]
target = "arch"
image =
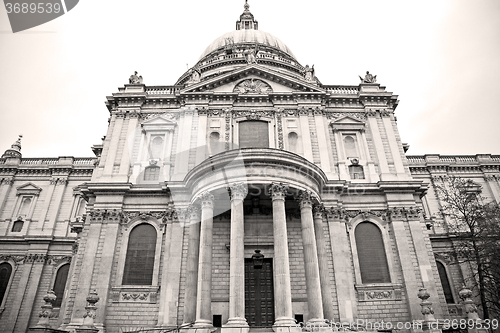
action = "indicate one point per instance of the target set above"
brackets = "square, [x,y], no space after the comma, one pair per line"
[139,265]
[381,225]
[445,282]
[372,257]
[214,143]
[152,173]
[292,142]
[350,146]
[6,270]
[60,284]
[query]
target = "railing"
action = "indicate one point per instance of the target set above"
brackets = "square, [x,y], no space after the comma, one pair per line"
[84,161]
[39,161]
[459,159]
[342,90]
[162,90]
[156,329]
[415,159]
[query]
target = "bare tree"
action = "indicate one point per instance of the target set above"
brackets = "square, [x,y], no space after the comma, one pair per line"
[474,227]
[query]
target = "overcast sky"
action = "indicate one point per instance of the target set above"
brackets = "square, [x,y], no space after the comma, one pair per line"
[441,57]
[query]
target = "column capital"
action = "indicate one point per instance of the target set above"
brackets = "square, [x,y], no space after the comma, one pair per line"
[193,212]
[278,191]
[237,191]
[318,211]
[305,199]
[207,199]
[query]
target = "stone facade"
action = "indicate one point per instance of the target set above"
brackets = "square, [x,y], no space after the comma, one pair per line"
[247,151]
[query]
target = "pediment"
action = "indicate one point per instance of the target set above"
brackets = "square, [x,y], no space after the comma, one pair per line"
[347,120]
[161,122]
[253,79]
[29,188]
[348,123]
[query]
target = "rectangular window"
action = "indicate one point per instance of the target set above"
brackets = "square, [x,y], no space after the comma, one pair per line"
[253,134]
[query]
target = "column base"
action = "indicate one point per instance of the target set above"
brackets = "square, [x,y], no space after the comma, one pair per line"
[235,325]
[202,326]
[285,324]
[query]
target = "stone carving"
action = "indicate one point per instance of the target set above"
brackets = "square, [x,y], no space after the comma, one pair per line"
[19,259]
[207,199]
[238,191]
[336,115]
[253,86]
[305,198]
[135,79]
[46,312]
[303,111]
[36,258]
[195,75]
[228,127]
[7,180]
[278,190]
[318,211]
[135,296]
[426,305]
[387,294]
[309,73]
[194,212]
[90,310]
[251,54]
[446,257]
[399,213]
[99,215]
[368,78]
[470,308]
[57,260]
[253,114]
[279,115]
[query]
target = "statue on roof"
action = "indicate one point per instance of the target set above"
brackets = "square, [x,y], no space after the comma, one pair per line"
[195,75]
[251,54]
[368,78]
[135,79]
[309,73]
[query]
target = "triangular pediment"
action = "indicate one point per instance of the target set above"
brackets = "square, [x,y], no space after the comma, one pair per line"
[160,120]
[253,79]
[29,186]
[347,120]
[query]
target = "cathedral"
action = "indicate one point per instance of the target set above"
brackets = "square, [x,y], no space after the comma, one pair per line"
[246,197]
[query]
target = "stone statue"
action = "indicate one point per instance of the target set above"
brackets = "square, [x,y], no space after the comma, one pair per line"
[368,78]
[309,73]
[251,55]
[195,75]
[134,79]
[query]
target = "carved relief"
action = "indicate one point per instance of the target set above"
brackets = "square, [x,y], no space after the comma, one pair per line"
[253,86]
[279,114]
[278,190]
[336,115]
[228,127]
[100,215]
[238,191]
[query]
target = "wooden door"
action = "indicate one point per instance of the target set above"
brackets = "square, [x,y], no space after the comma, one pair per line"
[259,294]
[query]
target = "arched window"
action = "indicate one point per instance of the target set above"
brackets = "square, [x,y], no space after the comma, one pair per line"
[17,226]
[448,295]
[60,284]
[25,207]
[152,173]
[292,141]
[140,259]
[371,254]
[356,172]
[5,272]
[253,134]
[350,147]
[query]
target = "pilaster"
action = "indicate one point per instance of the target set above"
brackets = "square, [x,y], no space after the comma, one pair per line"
[379,146]
[306,134]
[342,268]
[324,153]
[326,288]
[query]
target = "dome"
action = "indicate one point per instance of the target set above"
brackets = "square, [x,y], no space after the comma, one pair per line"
[250,36]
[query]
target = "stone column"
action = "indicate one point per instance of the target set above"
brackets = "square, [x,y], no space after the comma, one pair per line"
[326,290]
[282,287]
[192,265]
[204,296]
[313,285]
[237,318]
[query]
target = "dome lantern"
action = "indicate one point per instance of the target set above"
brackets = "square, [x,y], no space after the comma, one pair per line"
[247,20]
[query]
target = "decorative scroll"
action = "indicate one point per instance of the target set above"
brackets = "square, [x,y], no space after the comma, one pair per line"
[279,115]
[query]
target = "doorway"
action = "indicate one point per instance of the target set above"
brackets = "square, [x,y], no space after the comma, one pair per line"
[259,294]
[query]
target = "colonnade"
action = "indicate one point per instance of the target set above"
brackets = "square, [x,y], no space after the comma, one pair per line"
[199,263]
